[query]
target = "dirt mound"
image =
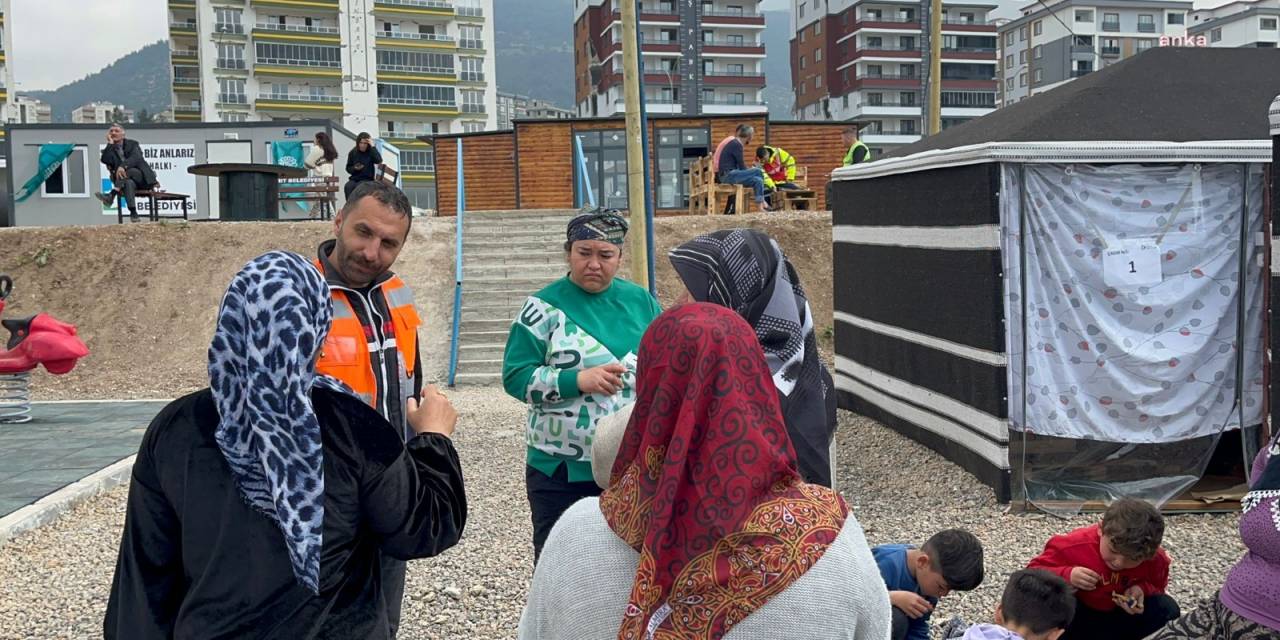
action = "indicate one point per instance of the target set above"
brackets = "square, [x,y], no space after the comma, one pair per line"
[144,296]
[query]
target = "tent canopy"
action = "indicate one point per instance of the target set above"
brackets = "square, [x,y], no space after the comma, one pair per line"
[1171,94]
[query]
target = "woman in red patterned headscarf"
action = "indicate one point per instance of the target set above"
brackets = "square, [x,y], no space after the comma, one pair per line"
[707,530]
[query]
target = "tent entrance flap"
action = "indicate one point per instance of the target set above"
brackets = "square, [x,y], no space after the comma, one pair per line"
[1130,289]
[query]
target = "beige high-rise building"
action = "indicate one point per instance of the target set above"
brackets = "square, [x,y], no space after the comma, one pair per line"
[397,69]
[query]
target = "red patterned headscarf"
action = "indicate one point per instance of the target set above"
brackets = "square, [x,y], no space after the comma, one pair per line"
[705,484]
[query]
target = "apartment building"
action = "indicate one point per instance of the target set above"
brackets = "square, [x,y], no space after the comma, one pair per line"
[101,113]
[28,110]
[513,106]
[1239,24]
[396,68]
[867,61]
[7,109]
[1056,42]
[699,57]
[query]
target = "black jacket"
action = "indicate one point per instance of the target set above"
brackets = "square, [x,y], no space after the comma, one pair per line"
[368,159]
[133,159]
[196,562]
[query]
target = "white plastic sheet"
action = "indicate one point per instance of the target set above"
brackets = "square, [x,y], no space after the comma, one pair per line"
[1131,310]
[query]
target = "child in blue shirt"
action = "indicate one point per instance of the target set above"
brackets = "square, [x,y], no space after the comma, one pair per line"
[949,561]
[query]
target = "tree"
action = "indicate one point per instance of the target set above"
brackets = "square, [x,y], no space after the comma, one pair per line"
[143,116]
[117,115]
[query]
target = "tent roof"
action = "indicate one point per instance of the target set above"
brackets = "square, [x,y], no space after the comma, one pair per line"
[1172,94]
[1275,116]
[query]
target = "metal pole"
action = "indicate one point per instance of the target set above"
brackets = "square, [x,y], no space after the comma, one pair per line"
[584,183]
[648,194]
[633,83]
[457,270]
[935,67]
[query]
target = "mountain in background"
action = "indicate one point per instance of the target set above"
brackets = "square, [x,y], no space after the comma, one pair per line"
[139,80]
[536,53]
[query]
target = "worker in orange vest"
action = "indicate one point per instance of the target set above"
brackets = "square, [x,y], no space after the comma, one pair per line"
[372,344]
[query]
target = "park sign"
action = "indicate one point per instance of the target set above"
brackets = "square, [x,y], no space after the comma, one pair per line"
[170,162]
[1186,40]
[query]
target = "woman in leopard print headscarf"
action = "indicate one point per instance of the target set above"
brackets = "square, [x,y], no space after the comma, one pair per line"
[259,507]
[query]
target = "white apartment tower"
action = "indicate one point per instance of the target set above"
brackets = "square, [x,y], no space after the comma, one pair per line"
[1249,23]
[699,56]
[394,68]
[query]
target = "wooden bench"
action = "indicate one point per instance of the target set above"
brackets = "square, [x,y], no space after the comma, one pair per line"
[388,175]
[151,197]
[705,193]
[802,198]
[323,190]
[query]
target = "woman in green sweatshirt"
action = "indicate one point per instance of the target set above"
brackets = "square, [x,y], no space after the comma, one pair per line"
[571,356]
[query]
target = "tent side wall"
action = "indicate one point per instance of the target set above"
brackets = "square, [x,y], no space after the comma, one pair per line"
[1273,319]
[919,310]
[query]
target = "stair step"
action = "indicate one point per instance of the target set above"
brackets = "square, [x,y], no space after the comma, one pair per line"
[483,337]
[475,352]
[502,285]
[541,272]
[537,258]
[477,379]
[510,247]
[476,366]
[494,324]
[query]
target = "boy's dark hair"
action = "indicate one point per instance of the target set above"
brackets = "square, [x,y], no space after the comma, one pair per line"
[1038,600]
[762,152]
[957,555]
[1135,527]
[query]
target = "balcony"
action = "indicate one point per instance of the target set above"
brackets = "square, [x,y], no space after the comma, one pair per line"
[734,103]
[1111,51]
[889,132]
[417,168]
[961,21]
[324,65]
[467,43]
[295,28]
[186,108]
[416,40]
[1149,27]
[438,73]
[895,20]
[734,78]
[469,12]
[1110,26]
[183,29]
[228,29]
[416,7]
[188,56]
[471,76]
[186,81]
[1080,73]
[892,103]
[323,5]
[473,108]
[733,17]
[402,135]
[889,76]
[233,98]
[230,64]
[415,105]
[298,102]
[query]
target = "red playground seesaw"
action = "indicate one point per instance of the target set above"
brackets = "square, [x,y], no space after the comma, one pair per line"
[38,340]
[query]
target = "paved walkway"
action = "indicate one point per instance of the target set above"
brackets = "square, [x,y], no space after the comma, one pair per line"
[64,442]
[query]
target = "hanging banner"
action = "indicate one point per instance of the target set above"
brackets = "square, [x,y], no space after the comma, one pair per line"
[170,162]
[51,157]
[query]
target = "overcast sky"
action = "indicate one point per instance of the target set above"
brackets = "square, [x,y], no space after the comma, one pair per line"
[79,37]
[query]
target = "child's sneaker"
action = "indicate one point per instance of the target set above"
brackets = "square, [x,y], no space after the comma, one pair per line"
[954,628]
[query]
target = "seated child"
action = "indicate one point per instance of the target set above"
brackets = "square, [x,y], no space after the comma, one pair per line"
[1036,605]
[1119,571]
[916,578]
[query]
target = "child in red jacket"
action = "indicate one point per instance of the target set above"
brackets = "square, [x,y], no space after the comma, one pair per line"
[1119,572]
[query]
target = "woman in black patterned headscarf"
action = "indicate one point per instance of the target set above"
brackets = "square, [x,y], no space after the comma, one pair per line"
[745,270]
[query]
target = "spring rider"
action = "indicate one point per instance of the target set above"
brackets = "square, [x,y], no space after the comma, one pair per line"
[38,340]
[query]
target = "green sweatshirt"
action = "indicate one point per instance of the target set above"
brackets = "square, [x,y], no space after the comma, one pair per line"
[560,331]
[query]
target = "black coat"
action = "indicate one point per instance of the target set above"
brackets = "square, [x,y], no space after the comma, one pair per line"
[133,159]
[196,562]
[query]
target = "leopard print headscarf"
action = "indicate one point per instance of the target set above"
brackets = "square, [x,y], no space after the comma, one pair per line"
[273,319]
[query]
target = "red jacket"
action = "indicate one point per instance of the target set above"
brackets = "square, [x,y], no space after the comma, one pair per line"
[1080,549]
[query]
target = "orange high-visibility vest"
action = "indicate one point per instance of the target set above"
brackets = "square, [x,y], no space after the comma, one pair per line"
[345,352]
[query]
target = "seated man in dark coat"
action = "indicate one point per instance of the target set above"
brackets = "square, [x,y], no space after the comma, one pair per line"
[127,167]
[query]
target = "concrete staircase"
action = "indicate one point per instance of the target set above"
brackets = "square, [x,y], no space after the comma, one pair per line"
[506,257]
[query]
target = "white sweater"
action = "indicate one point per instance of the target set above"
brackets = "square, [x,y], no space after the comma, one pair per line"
[584,578]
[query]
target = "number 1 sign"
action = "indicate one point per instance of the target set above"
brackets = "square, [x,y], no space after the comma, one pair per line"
[1132,263]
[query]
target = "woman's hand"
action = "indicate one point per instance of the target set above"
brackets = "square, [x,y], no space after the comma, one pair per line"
[434,414]
[606,379]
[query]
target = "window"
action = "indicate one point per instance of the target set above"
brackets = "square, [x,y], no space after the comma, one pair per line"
[472,69]
[875,99]
[1038,27]
[1215,35]
[1145,43]
[418,160]
[907,43]
[873,42]
[437,63]
[472,127]
[1110,46]
[907,71]
[1022,79]
[736,39]
[228,20]
[233,116]
[1176,18]
[1267,24]
[1038,52]
[416,94]
[1084,15]
[469,37]
[1110,22]
[230,56]
[817,55]
[606,160]
[968,18]
[1022,34]
[1008,61]
[1146,23]
[801,62]
[472,101]
[231,91]
[908,127]
[907,99]
[1008,39]
[298,55]
[1039,76]
[71,178]
[740,98]
[875,70]
[817,28]
[1022,57]
[802,9]
[817,82]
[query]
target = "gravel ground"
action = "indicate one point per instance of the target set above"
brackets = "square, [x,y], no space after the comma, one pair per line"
[54,581]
